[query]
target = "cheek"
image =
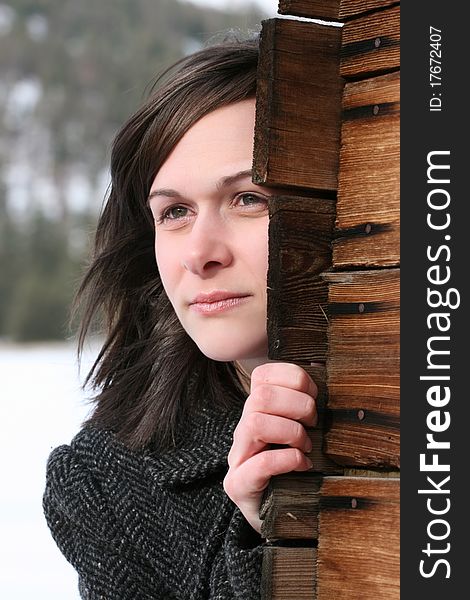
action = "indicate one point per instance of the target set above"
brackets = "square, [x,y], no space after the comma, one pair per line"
[257,251]
[166,263]
[261,264]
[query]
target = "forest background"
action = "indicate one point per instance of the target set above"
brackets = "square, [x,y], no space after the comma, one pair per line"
[70,74]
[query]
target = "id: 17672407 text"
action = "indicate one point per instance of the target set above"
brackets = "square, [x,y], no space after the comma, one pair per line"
[435,69]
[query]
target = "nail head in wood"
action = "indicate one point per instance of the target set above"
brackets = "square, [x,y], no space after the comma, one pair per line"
[361,307]
[376,109]
[368,228]
[377,42]
[361,414]
[353,503]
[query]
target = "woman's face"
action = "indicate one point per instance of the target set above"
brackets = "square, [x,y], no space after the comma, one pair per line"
[211,235]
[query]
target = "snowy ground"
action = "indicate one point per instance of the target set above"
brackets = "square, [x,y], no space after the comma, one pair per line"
[41,407]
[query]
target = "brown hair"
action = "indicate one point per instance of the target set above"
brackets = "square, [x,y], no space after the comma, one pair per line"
[149,372]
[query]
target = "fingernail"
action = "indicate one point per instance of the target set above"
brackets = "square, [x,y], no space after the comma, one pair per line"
[309,463]
[308,445]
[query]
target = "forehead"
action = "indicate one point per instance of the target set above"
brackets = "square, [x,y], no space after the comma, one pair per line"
[220,141]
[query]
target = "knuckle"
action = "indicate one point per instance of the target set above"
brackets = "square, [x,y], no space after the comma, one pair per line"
[298,456]
[302,378]
[310,407]
[263,396]
[260,374]
[229,486]
[297,431]
[255,422]
[230,456]
[226,484]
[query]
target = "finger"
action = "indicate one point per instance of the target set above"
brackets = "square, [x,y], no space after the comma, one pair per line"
[253,476]
[256,430]
[284,402]
[286,375]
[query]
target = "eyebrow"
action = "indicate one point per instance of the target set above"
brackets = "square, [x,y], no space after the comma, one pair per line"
[223,182]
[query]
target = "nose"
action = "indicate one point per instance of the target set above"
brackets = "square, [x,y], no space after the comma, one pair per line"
[207,246]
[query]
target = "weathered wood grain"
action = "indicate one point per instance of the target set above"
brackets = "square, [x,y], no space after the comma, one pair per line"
[300,250]
[371,44]
[293,505]
[321,462]
[359,543]
[342,327]
[336,10]
[368,206]
[288,573]
[348,319]
[298,105]
[357,523]
[362,416]
[300,233]
[290,507]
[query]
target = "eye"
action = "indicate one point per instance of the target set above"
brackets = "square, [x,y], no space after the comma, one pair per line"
[175,212]
[172,213]
[249,199]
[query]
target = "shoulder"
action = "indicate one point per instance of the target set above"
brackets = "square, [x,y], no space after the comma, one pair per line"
[83,479]
[91,453]
[96,458]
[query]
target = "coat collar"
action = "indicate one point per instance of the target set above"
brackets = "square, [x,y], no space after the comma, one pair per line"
[204,445]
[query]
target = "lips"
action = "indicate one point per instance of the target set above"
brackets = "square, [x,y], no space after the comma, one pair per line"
[217,302]
[216,296]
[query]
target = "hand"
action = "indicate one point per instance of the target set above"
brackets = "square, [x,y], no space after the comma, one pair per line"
[281,401]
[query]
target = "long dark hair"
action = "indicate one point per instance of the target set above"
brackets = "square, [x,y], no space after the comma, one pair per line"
[149,372]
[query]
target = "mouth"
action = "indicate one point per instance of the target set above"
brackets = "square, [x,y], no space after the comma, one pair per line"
[216,302]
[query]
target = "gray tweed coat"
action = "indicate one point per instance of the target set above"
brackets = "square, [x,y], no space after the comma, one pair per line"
[136,525]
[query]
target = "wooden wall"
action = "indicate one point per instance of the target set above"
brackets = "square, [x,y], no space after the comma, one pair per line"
[327,135]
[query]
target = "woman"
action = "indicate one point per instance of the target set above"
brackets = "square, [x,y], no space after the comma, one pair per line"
[142,502]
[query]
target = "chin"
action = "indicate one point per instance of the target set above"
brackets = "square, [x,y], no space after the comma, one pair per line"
[218,354]
[229,351]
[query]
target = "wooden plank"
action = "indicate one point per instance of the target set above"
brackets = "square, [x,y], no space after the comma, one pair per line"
[350,8]
[368,207]
[371,44]
[298,109]
[359,543]
[336,10]
[321,462]
[288,573]
[315,9]
[300,233]
[357,523]
[290,507]
[362,417]
[294,503]
[361,313]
